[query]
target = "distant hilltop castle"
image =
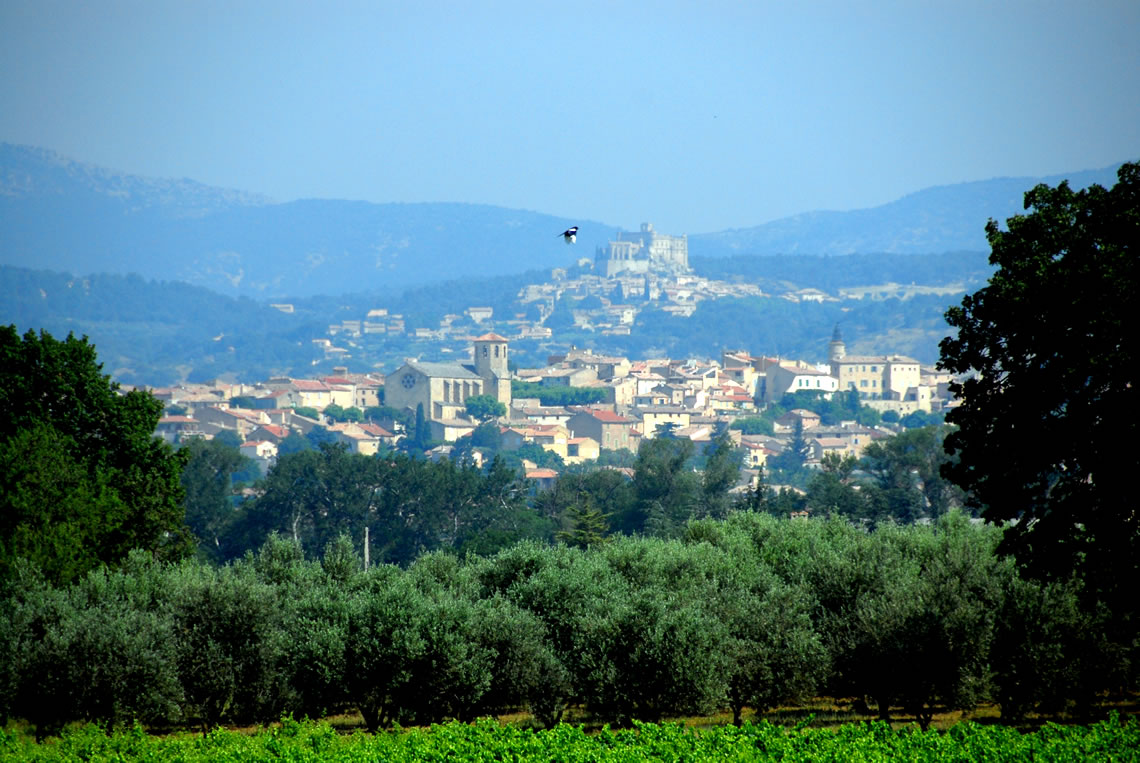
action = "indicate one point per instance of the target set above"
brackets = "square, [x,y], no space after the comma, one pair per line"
[644,252]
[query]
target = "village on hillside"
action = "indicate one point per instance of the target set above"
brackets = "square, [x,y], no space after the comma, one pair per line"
[688,398]
[634,399]
[629,274]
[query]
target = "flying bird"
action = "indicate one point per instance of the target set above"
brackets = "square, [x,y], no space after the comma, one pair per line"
[570,235]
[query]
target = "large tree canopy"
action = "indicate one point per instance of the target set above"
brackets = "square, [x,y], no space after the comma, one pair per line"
[1048,421]
[83,478]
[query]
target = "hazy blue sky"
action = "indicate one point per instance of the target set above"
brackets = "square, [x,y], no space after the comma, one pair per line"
[697,116]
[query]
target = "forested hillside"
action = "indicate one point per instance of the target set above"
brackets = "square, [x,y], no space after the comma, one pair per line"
[159,332]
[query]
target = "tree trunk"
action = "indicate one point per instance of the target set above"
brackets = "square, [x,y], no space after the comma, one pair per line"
[371,713]
[884,709]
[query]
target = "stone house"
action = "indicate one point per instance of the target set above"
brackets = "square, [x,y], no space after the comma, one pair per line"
[655,416]
[787,422]
[609,429]
[581,449]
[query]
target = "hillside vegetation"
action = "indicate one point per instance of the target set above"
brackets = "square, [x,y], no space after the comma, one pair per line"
[160,332]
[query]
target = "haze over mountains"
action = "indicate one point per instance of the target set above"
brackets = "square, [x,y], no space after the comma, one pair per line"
[60,214]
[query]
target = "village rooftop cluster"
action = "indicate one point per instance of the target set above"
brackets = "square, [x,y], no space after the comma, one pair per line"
[692,398]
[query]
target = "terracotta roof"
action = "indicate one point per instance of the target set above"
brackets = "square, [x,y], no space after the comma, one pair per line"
[309,385]
[831,442]
[490,338]
[609,417]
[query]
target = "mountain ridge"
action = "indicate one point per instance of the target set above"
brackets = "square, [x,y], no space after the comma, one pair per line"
[61,214]
[931,220]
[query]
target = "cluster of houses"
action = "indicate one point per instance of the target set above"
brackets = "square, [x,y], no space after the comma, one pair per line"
[262,415]
[631,272]
[641,399]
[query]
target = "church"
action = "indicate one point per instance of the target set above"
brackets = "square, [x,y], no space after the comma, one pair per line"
[443,388]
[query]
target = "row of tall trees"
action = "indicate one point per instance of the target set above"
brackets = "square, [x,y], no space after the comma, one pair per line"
[748,612]
[411,506]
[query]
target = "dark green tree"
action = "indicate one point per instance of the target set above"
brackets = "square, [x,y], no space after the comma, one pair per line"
[227,650]
[207,480]
[790,462]
[587,526]
[100,649]
[758,496]
[667,490]
[114,486]
[390,417]
[606,490]
[776,653]
[917,419]
[336,412]
[485,407]
[832,491]
[384,641]
[720,474]
[1050,349]
[1044,645]
[319,435]
[487,435]
[421,433]
[908,469]
[228,437]
[752,425]
[293,443]
[311,497]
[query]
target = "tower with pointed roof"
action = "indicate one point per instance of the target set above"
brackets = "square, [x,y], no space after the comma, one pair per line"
[836,348]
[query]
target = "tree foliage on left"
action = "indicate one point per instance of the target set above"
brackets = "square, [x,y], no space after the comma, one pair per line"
[83,479]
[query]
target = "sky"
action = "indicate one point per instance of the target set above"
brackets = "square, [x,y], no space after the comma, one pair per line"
[697,116]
